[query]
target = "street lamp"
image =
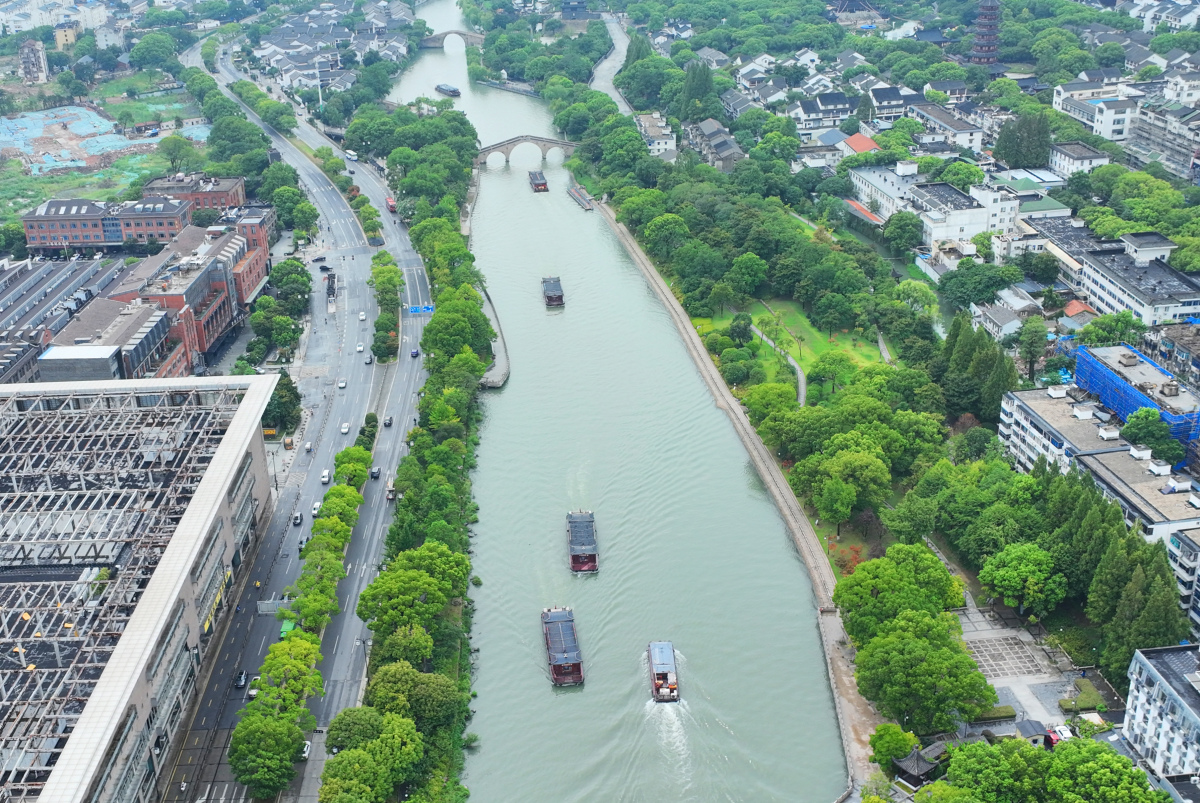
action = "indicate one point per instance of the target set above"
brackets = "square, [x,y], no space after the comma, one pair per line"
[274,474]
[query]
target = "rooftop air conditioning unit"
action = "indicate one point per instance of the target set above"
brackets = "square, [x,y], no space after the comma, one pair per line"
[1139,452]
[1057,391]
[1127,359]
[1160,468]
[1108,433]
[1083,411]
[1194,499]
[1169,388]
[1179,484]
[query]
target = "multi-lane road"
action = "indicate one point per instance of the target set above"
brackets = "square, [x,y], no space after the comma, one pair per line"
[201,771]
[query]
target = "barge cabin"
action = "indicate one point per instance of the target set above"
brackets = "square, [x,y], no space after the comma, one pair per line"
[537,180]
[664,683]
[446,89]
[581,541]
[562,647]
[552,290]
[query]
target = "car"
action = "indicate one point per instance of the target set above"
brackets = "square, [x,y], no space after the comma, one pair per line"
[316,509]
[260,371]
[375,472]
[325,267]
[370,359]
[341,383]
[297,518]
[318,259]
[240,681]
[359,348]
[414,353]
[387,422]
[1059,733]
[325,477]
[351,171]
[362,316]
[346,428]
[253,690]
[308,745]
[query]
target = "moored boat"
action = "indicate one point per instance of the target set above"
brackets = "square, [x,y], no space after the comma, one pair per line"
[664,683]
[553,291]
[446,89]
[581,541]
[562,647]
[537,180]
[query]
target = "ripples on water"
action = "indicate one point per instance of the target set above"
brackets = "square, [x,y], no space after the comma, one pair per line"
[605,411]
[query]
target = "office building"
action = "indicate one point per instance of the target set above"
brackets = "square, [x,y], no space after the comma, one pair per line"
[80,225]
[203,191]
[113,340]
[115,608]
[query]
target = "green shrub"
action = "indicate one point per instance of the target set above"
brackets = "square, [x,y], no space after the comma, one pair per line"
[1088,698]
[999,712]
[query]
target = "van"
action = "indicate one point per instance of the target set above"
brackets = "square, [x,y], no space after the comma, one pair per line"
[308,446]
[288,443]
[325,477]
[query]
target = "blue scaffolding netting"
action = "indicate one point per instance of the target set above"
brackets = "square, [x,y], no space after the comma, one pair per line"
[1117,394]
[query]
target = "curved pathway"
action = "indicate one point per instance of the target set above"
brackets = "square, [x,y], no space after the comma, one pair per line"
[884,354]
[801,382]
[606,69]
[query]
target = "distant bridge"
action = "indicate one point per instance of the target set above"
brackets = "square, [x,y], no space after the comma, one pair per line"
[439,39]
[545,143]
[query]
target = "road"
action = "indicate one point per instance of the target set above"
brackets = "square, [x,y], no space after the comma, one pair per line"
[389,390]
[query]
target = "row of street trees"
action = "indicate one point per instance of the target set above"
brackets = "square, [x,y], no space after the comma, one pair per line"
[388,282]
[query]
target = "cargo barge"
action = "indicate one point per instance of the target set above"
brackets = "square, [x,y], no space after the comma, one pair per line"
[562,647]
[552,290]
[664,682]
[537,180]
[446,89]
[581,541]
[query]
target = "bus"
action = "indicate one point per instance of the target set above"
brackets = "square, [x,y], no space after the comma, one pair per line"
[391,204]
[352,156]
[391,489]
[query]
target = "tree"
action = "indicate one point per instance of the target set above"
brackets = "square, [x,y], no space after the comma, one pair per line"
[903,230]
[908,577]
[962,175]
[917,672]
[400,597]
[176,150]
[153,50]
[1110,54]
[1032,342]
[639,48]
[1118,650]
[664,234]
[398,750]
[833,311]
[411,644]
[305,215]
[205,217]
[1146,427]
[359,766]
[866,108]
[434,700]
[1002,379]
[721,296]
[1111,329]
[278,174]
[739,328]
[919,296]
[697,87]
[1148,72]
[749,271]
[1023,574]
[936,96]
[261,754]
[891,741]
[286,199]
[913,520]
[1109,580]
[850,126]
[353,727]
[1024,141]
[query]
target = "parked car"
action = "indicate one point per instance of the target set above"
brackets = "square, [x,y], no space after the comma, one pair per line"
[316,509]
[1059,733]
[240,681]
[297,518]
[308,745]
[253,691]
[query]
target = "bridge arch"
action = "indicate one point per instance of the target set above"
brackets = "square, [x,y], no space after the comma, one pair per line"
[545,144]
[439,39]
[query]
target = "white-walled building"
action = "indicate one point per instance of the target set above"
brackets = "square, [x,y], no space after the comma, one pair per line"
[1052,423]
[1162,718]
[655,133]
[954,130]
[1069,158]
[889,187]
[25,15]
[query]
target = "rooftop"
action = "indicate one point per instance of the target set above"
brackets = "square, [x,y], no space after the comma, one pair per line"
[1151,495]
[942,117]
[1146,376]
[942,196]
[1173,665]
[1078,150]
[1062,415]
[861,144]
[97,481]
[105,322]
[191,182]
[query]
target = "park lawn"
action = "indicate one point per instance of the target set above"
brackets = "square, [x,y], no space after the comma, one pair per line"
[1070,628]
[817,342]
[142,81]
[20,192]
[166,107]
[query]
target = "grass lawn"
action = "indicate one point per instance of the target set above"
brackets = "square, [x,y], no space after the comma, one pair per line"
[843,544]
[1070,628]
[142,81]
[19,193]
[307,151]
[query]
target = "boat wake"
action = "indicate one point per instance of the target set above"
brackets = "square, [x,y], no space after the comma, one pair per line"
[669,724]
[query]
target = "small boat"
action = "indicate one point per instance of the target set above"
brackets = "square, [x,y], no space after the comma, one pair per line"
[446,89]
[581,540]
[664,684]
[552,290]
[562,647]
[537,180]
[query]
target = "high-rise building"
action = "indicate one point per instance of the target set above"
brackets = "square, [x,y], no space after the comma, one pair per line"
[987,32]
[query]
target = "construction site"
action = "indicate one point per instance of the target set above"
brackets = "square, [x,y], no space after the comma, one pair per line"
[65,138]
[126,511]
[1126,380]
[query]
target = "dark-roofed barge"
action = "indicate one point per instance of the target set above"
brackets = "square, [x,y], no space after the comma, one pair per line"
[552,290]
[581,541]
[562,647]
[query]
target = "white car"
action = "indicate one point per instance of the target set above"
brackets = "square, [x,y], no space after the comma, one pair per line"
[316,508]
[253,690]
[359,347]
[341,383]
[345,428]
[362,316]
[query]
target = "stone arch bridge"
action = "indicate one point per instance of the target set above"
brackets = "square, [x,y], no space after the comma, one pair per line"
[439,39]
[544,143]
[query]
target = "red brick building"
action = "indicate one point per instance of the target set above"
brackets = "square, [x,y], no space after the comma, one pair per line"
[77,224]
[202,191]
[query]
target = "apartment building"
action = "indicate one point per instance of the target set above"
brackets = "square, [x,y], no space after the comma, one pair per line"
[891,102]
[203,191]
[1058,423]
[827,110]
[1069,158]
[948,213]
[656,133]
[1168,133]
[1162,718]
[17,16]
[954,130]
[889,187]
[716,145]
[1105,109]
[35,69]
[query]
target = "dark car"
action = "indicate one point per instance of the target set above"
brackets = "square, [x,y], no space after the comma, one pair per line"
[375,472]
[351,172]
[240,681]
[370,359]
[318,259]
[297,518]
[414,353]
[387,422]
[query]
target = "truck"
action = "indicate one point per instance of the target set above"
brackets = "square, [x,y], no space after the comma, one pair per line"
[391,489]
[391,204]
[287,627]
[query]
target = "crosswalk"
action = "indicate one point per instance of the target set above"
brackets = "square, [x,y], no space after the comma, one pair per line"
[221,793]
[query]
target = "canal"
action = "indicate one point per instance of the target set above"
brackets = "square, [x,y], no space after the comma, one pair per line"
[605,411]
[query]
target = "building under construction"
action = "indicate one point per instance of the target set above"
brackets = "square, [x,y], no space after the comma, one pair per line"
[127,512]
[1126,380]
